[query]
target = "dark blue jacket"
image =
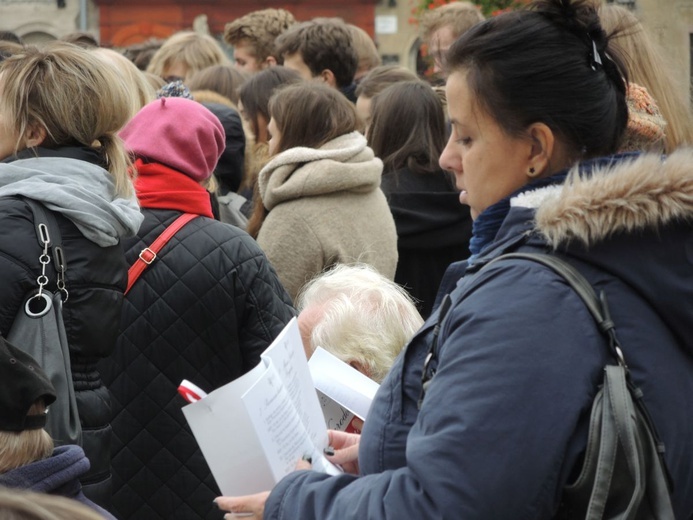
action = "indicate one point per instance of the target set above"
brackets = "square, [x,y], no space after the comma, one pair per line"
[59,474]
[504,421]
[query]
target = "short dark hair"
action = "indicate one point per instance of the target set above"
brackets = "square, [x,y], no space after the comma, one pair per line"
[311,114]
[538,66]
[324,44]
[407,128]
[257,91]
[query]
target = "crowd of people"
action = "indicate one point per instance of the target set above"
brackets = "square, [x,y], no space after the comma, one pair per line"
[296,176]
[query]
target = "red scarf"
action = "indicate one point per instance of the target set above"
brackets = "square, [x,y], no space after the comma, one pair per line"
[160,187]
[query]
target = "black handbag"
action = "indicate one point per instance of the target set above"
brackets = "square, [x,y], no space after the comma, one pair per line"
[624,475]
[39,331]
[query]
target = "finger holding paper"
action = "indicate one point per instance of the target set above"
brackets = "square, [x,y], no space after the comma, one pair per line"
[344,450]
[250,507]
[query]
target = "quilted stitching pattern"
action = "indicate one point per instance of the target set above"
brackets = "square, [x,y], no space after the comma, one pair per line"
[204,311]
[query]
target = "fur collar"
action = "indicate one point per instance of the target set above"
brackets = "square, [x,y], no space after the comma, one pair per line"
[644,193]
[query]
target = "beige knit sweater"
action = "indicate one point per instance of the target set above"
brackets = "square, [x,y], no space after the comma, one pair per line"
[325,207]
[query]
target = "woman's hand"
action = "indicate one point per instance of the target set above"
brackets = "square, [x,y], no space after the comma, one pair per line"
[346,450]
[250,507]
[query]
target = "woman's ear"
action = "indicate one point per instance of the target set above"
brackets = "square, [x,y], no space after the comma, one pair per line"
[270,61]
[34,136]
[543,142]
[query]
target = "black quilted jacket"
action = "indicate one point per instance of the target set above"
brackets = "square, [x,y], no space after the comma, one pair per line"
[96,278]
[203,311]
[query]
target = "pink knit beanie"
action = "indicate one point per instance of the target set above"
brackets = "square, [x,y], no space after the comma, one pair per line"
[178,133]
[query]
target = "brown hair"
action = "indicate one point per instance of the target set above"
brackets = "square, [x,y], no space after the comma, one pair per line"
[407,127]
[324,44]
[141,53]
[18,449]
[382,77]
[366,51]
[82,39]
[260,29]
[257,91]
[40,87]
[7,49]
[307,114]
[459,16]
[649,68]
[310,115]
[194,50]
[223,79]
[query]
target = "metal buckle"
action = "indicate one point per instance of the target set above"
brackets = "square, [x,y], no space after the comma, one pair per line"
[150,257]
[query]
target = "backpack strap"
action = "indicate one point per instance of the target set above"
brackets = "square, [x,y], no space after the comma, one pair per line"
[596,305]
[148,254]
[599,309]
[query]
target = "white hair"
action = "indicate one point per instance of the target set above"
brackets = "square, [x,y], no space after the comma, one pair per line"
[364,317]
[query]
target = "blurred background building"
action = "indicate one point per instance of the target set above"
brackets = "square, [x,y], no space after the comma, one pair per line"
[118,23]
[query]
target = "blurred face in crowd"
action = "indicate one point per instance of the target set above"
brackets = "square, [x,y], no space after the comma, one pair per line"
[441,40]
[295,62]
[244,58]
[175,71]
[363,110]
[274,136]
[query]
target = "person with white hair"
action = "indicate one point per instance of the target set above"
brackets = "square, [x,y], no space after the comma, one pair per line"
[358,315]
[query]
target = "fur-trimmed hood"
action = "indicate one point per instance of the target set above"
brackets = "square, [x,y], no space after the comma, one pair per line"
[631,217]
[646,192]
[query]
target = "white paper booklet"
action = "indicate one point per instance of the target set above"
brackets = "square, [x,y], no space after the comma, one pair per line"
[345,394]
[253,430]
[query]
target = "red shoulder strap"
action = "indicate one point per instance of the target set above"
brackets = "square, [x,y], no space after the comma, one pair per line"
[148,254]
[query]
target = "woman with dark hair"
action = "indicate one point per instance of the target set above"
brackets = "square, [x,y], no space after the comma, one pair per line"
[321,202]
[254,108]
[407,131]
[512,358]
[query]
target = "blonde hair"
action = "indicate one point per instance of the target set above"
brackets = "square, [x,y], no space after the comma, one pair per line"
[260,29]
[648,67]
[367,52]
[459,16]
[18,449]
[140,89]
[26,505]
[194,50]
[43,87]
[364,317]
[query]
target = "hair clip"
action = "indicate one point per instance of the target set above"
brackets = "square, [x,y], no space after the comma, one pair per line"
[596,58]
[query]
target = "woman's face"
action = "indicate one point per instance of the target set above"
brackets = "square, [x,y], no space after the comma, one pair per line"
[274,136]
[488,163]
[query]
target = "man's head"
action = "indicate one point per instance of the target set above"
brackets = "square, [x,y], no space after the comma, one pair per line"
[359,316]
[320,49]
[252,37]
[366,50]
[440,27]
